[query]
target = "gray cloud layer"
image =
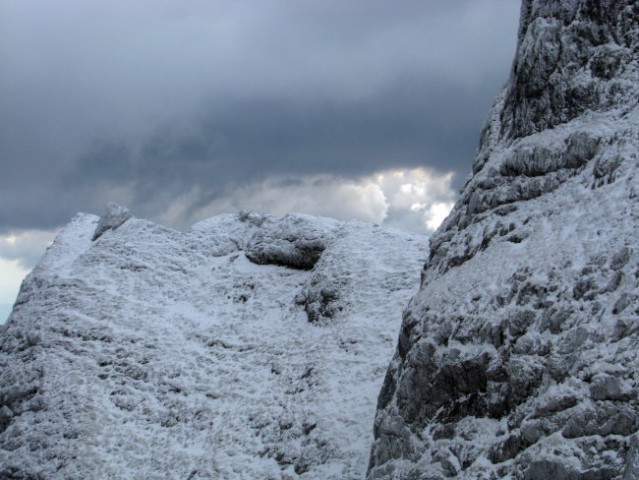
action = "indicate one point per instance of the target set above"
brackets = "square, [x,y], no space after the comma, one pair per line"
[142,103]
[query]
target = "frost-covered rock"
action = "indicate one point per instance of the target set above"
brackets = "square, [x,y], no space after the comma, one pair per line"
[519,356]
[155,354]
[295,241]
[573,56]
[631,471]
[114,216]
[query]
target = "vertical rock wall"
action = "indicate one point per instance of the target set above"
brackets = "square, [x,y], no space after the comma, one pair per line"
[519,356]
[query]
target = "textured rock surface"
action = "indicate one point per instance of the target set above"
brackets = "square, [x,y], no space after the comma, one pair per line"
[519,356]
[572,57]
[298,243]
[114,216]
[149,353]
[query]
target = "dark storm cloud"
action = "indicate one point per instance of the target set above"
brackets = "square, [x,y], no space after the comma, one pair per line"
[141,103]
[243,141]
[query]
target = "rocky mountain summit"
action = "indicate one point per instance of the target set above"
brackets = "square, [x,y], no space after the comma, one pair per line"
[519,357]
[251,347]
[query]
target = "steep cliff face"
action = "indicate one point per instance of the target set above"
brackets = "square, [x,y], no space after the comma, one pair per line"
[572,56]
[251,347]
[519,356]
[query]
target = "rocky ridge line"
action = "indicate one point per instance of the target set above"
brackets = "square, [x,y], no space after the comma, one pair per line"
[249,347]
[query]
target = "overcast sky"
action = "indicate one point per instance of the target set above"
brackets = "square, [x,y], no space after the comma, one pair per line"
[366,109]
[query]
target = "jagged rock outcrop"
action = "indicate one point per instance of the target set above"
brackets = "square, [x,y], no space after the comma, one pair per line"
[113,216]
[519,357]
[249,347]
[572,56]
[296,244]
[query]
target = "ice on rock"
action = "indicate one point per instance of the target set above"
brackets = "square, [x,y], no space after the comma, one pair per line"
[114,216]
[295,241]
[155,354]
[519,357]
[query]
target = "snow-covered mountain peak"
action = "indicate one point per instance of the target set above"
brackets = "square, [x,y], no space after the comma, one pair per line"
[252,346]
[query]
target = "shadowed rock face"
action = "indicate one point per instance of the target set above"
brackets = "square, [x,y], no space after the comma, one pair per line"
[571,56]
[519,355]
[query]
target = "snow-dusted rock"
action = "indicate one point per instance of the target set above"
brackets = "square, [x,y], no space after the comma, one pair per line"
[519,357]
[632,461]
[114,216]
[154,354]
[572,56]
[295,241]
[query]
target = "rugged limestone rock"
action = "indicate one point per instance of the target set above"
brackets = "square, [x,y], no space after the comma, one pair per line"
[297,242]
[113,217]
[519,356]
[148,353]
[572,56]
